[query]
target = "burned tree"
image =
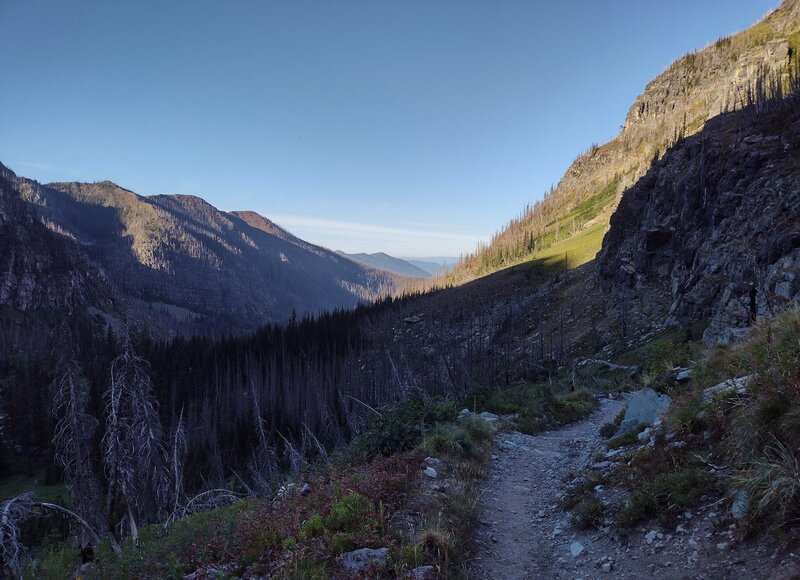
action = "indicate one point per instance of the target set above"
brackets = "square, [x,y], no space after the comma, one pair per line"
[72,442]
[133,454]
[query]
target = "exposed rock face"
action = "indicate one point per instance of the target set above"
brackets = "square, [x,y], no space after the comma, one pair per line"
[715,225]
[179,260]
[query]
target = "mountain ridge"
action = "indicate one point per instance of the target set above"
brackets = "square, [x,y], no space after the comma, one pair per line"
[675,104]
[231,271]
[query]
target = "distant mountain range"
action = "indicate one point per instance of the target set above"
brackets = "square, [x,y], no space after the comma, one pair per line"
[173,259]
[435,265]
[411,267]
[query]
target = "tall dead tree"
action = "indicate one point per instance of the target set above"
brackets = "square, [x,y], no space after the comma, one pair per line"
[72,442]
[133,454]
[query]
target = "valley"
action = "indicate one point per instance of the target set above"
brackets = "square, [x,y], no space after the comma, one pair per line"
[608,388]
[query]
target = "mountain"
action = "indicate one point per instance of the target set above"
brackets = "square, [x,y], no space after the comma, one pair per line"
[39,268]
[567,226]
[388,263]
[183,264]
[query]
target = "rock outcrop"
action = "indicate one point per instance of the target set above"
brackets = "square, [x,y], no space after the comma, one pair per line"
[714,226]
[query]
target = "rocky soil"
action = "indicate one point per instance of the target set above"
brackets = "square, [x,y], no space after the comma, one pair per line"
[524,533]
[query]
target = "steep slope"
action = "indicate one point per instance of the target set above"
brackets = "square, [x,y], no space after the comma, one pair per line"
[383,261]
[568,224]
[41,269]
[713,229]
[180,260]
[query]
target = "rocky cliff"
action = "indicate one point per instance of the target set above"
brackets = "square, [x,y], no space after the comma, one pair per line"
[713,228]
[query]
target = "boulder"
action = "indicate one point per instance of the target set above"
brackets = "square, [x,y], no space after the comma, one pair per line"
[601,465]
[737,386]
[422,573]
[489,417]
[359,561]
[644,406]
[740,504]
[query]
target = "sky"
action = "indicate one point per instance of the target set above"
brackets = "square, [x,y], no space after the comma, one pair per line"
[414,127]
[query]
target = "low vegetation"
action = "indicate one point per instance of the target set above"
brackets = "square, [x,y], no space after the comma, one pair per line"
[536,407]
[737,442]
[374,494]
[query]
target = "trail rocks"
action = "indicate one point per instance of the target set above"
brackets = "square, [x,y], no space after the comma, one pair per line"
[740,504]
[422,573]
[736,386]
[644,406]
[359,561]
[524,533]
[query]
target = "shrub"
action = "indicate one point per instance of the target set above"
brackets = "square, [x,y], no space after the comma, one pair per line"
[578,492]
[665,496]
[400,428]
[346,513]
[588,513]
[313,526]
[437,543]
[773,484]
[537,405]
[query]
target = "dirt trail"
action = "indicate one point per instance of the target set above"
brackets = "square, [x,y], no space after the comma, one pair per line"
[519,505]
[524,533]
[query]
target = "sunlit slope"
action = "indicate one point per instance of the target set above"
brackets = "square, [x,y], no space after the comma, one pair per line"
[674,105]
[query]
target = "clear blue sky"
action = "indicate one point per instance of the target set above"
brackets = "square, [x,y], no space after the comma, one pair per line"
[411,127]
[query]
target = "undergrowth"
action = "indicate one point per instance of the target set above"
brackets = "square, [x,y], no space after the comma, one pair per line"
[537,406]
